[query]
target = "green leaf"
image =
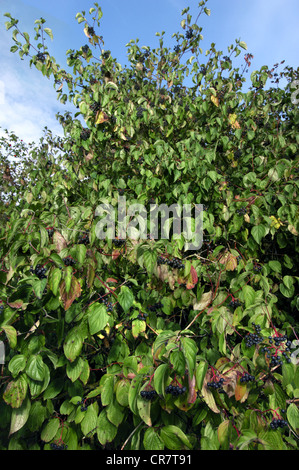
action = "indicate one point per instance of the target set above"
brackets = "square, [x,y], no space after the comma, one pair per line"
[107,389]
[68,276]
[19,416]
[35,368]
[125,298]
[54,388]
[200,373]
[37,416]
[160,378]
[97,318]
[17,364]
[293,416]
[50,430]
[122,392]
[149,260]
[89,422]
[115,412]
[249,295]
[54,280]
[74,369]
[134,392]
[243,45]
[189,349]
[152,440]
[106,431]
[49,32]
[178,361]
[74,341]
[174,438]
[258,232]
[81,253]
[275,266]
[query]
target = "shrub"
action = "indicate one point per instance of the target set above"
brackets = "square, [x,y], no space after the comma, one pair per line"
[129,343]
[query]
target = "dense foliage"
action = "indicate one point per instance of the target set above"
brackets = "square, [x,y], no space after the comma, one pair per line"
[137,343]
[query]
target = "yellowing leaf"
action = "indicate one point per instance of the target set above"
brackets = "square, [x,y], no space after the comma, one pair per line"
[241,392]
[204,301]
[207,394]
[222,431]
[86,32]
[233,121]
[215,100]
[101,117]
[230,261]
[276,223]
[292,229]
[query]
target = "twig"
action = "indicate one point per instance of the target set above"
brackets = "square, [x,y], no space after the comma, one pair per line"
[134,430]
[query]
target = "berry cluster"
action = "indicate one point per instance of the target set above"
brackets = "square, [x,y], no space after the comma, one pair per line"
[217,385]
[173,263]
[257,268]
[221,95]
[148,394]
[108,304]
[203,70]
[142,316]
[85,134]
[106,55]
[247,378]
[226,58]
[142,57]
[39,271]
[84,405]
[85,48]
[56,446]
[175,390]
[83,239]
[241,211]
[278,423]
[235,303]
[50,231]
[95,107]
[177,49]
[117,242]
[207,241]
[140,111]
[155,307]
[69,261]
[90,31]
[275,359]
[40,56]
[237,154]
[189,34]
[254,338]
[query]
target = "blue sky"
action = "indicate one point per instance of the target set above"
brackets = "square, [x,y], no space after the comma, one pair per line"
[28,101]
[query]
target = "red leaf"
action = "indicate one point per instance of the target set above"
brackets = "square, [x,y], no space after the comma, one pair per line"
[192,278]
